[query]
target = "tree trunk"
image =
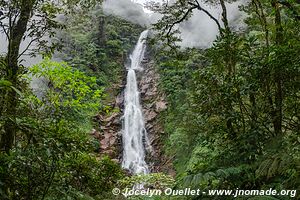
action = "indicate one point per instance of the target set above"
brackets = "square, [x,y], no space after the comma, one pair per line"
[16,34]
[224,17]
[230,58]
[102,36]
[277,114]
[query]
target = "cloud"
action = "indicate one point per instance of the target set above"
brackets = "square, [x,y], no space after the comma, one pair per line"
[3,43]
[198,31]
[128,10]
[201,31]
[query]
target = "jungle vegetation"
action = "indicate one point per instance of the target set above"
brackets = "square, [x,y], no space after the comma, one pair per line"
[233,108]
[233,115]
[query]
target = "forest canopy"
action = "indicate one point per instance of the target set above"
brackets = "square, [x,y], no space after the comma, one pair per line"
[233,106]
[233,116]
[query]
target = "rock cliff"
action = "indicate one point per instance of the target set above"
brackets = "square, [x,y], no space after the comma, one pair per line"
[153,104]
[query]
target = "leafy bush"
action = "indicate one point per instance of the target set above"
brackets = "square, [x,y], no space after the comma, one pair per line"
[53,156]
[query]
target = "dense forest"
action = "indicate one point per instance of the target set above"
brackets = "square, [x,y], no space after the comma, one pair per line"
[232,120]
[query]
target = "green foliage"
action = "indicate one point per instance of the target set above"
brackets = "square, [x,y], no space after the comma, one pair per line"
[98,44]
[47,110]
[69,89]
[153,180]
[53,157]
[232,120]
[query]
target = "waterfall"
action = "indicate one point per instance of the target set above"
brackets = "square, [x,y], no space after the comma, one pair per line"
[134,134]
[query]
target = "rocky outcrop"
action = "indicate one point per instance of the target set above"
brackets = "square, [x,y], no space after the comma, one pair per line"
[153,104]
[109,134]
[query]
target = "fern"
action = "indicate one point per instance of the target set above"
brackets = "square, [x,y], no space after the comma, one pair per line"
[274,168]
[200,178]
[270,167]
[189,180]
[196,179]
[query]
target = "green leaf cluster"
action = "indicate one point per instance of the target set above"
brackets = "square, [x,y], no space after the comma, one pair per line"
[233,115]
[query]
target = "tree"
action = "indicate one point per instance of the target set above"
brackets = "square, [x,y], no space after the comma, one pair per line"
[180,11]
[36,21]
[232,107]
[54,148]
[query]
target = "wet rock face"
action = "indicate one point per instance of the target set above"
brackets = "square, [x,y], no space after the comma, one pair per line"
[153,104]
[109,134]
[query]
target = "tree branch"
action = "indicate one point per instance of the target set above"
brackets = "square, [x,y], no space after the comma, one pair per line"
[224,16]
[27,47]
[195,5]
[198,6]
[4,30]
[180,20]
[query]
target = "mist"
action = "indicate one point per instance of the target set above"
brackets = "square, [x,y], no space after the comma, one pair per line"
[133,12]
[26,60]
[199,31]
[3,43]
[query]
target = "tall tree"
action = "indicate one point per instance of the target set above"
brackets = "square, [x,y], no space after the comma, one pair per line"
[237,111]
[34,20]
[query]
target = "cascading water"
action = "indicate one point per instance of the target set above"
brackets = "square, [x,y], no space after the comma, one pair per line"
[134,134]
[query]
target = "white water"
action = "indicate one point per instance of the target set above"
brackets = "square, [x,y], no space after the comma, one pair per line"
[133,131]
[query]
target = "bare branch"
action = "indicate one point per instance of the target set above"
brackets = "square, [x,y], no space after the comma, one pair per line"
[195,5]
[15,18]
[171,18]
[179,21]
[27,47]
[198,6]
[4,30]
[31,42]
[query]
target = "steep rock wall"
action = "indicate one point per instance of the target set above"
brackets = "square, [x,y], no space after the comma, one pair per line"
[153,104]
